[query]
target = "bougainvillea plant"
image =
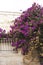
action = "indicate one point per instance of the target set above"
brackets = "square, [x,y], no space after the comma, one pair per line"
[2,32]
[25,27]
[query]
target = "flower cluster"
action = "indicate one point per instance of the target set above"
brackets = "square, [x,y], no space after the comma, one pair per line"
[25,25]
[2,32]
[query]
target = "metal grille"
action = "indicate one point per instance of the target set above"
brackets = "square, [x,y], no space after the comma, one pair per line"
[5,44]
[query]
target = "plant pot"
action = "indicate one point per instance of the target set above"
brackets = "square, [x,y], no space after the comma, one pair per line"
[40,46]
[31,58]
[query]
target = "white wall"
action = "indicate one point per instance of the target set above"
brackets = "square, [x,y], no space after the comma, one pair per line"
[6,20]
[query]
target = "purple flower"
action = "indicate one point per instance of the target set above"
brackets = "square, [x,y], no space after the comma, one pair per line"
[0,35]
[26,24]
[12,44]
[41,21]
[0,30]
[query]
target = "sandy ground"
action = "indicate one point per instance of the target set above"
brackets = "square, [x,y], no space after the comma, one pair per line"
[10,57]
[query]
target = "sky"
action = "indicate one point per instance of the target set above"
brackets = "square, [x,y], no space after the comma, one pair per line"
[17,5]
[13,6]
